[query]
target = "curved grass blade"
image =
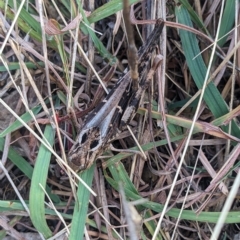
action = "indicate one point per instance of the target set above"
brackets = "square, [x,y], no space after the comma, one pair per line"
[198,71]
[25,167]
[117,172]
[81,206]
[26,117]
[37,196]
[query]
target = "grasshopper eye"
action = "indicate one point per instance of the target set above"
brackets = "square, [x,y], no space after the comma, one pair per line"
[84,138]
[94,144]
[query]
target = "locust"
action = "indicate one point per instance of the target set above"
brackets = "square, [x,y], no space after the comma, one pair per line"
[118,108]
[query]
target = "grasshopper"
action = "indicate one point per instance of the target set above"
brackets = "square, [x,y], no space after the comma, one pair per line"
[116,110]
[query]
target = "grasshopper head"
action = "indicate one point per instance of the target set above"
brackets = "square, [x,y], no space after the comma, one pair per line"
[86,149]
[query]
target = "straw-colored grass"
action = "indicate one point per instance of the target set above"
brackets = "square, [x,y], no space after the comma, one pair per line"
[54,58]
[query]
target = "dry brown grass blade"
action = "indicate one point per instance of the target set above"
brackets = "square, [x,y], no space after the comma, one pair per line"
[206,176]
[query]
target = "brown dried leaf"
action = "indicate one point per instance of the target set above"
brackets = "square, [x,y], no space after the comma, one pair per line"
[52,27]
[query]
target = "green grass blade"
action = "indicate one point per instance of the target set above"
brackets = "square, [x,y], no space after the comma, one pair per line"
[26,117]
[17,206]
[227,21]
[81,206]
[25,167]
[17,160]
[97,43]
[26,23]
[37,196]
[211,217]
[198,70]
[107,9]
[151,225]
[16,65]
[194,15]
[26,17]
